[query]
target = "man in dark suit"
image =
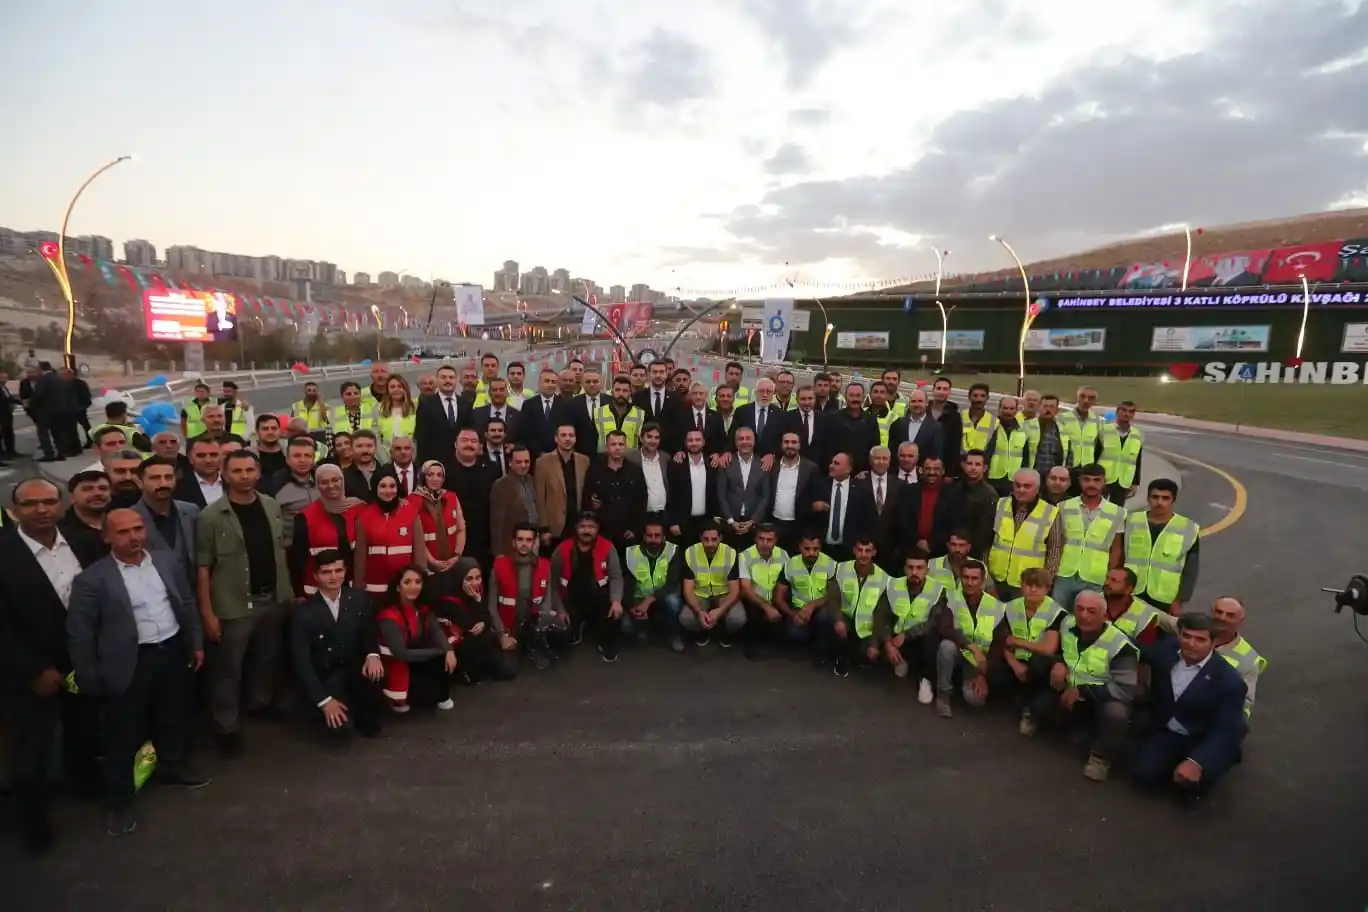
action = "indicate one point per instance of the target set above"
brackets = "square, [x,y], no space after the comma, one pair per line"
[1197,703]
[885,491]
[722,438]
[498,409]
[543,413]
[947,415]
[135,638]
[792,481]
[917,426]
[764,417]
[658,402]
[687,508]
[39,566]
[439,417]
[170,523]
[585,408]
[931,510]
[743,493]
[334,647]
[694,414]
[206,479]
[843,508]
[807,421]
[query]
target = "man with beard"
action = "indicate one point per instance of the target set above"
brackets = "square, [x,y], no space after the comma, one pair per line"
[471,478]
[951,421]
[586,408]
[122,469]
[616,490]
[84,521]
[519,583]
[267,445]
[980,502]
[588,587]
[204,485]
[791,481]
[294,488]
[364,465]
[620,415]
[655,573]
[170,523]
[917,427]
[905,626]
[168,446]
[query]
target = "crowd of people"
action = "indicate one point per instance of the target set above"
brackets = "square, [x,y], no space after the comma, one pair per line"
[358,560]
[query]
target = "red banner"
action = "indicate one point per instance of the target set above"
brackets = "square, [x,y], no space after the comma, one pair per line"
[1317,262]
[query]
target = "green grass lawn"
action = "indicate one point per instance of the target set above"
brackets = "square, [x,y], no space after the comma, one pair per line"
[1309,408]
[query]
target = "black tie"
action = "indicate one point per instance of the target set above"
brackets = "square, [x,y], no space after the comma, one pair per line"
[807,429]
[657,406]
[451,410]
[760,420]
[498,459]
[698,419]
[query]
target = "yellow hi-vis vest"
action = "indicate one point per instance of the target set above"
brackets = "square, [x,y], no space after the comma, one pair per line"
[316,415]
[649,578]
[342,421]
[979,626]
[858,601]
[128,431]
[912,610]
[763,574]
[1031,627]
[1243,658]
[808,585]
[631,426]
[1082,434]
[1009,452]
[406,425]
[710,576]
[238,426]
[1015,548]
[1136,619]
[194,417]
[938,568]
[1120,457]
[743,395]
[886,423]
[1032,428]
[1158,565]
[977,435]
[1087,546]
[1092,666]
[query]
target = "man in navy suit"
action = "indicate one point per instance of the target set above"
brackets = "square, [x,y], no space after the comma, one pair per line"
[1198,712]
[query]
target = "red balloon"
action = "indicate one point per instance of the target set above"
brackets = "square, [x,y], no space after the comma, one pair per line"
[921,384]
[1293,362]
[416,359]
[300,367]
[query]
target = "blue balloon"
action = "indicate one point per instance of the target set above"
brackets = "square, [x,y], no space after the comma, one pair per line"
[366,363]
[909,304]
[159,416]
[1043,304]
[1110,416]
[159,380]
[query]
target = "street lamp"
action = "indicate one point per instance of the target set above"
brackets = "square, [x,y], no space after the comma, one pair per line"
[379,329]
[56,259]
[1027,316]
[730,303]
[825,338]
[621,339]
[1306,313]
[1187,258]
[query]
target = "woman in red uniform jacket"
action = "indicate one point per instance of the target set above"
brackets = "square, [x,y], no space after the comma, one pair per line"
[478,649]
[389,536]
[417,650]
[444,527]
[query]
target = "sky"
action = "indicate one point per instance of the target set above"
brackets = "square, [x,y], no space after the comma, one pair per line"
[698,147]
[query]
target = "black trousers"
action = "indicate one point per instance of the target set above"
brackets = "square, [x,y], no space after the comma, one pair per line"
[789,533]
[429,683]
[592,611]
[156,705]
[1117,494]
[482,659]
[689,529]
[32,723]
[70,442]
[362,697]
[42,426]
[7,449]
[1106,722]
[919,653]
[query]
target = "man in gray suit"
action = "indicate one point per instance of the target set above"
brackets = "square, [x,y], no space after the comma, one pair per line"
[170,523]
[743,491]
[134,634]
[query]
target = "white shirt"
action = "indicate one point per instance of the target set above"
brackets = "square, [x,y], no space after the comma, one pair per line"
[211,491]
[591,403]
[908,477]
[96,466]
[152,610]
[1180,678]
[786,491]
[844,488]
[698,486]
[334,605]
[914,426]
[59,564]
[744,465]
[654,470]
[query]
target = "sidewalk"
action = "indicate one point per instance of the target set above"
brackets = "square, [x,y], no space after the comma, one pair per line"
[1244,430]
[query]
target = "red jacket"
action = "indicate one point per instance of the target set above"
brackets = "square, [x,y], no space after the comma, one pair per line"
[506,577]
[389,542]
[322,535]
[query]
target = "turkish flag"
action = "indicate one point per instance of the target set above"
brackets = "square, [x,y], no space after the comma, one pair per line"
[1315,261]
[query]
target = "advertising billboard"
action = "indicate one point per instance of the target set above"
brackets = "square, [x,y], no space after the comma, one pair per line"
[1210,339]
[955,340]
[863,341]
[1090,340]
[190,316]
[1355,337]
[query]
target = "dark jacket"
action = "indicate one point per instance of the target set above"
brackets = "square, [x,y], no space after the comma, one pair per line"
[538,431]
[854,435]
[816,450]
[952,423]
[434,436]
[776,423]
[1211,709]
[948,516]
[679,497]
[621,494]
[321,648]
[930,438]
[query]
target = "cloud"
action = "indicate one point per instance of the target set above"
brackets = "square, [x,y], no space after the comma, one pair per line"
[1257,125]
[806,33]
[664,70]
[809,117]
[790,158]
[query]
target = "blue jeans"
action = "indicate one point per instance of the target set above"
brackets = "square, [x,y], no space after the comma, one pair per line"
[664,613]
[1067,588]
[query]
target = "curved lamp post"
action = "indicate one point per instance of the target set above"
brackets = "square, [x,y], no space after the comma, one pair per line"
[379,329]
[945,314]
[1187,258]
[1306,313]
[58,263]
[1027,315]
[729,303]
[825,338]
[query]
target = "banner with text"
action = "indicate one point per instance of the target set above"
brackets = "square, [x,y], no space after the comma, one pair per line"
[778,328]
[955,340]
[469,304]
[863,341]
[1355,337]
[1091,340]
[753,317]
[1209,298]
[1210,339]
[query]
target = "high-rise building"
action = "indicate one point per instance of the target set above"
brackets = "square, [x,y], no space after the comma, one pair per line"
[138,252]
[388,279]
[560,281]
[92,245]
[184,258]
[617,294]
[536,282]
[361,278]
[507,279]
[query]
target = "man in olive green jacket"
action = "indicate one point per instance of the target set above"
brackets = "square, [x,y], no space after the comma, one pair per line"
[244,595]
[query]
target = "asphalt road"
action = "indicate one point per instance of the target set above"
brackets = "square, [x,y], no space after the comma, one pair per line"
[708,782]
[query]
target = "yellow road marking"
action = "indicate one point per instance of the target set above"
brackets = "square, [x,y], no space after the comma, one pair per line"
[1237,512]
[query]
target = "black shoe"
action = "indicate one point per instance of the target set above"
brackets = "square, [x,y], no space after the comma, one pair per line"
[230,745]
[183,779]
[702,639]
[120,822]
[540,659]
[725,641]
[576,633]
[609,654]
[842,669]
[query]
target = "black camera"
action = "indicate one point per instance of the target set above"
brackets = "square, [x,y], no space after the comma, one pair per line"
[1353,596]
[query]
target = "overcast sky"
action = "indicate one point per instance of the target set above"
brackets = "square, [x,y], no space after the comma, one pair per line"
[702,145]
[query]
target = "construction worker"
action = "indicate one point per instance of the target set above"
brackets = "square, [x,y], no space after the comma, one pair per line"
[311,408]
[1030,409]
[1161,549]
[892,381]
[946,569]
[374,394]
[1229,614]
[489,372]
[1027,533]
[1091,683]
[1120,447]
[1093,537]
[764,591]
[971,639]
[1050,446]
[1080,424]
[808,575]
[191,420]
[116,416]
[353,414]
[237,412]
[655,571]
[860,592]
[907,629]
[1008,448]
[883,413]
[979,423]
[712,589]
[620,415]
[1033,622]
[732,372]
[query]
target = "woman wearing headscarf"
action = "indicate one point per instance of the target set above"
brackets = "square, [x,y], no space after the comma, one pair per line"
[478,644]
[389,536]
[444,527]
[417,651]
[329,522]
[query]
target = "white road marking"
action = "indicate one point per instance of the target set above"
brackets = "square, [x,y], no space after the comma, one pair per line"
[1220,506]
[1346,465]
[1164,429]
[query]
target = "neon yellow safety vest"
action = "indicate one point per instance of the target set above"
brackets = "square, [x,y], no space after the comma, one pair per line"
[912,610]
[710,576]
[1081,433]
[342,420]
[368,398]
[481,393]
[1158,565]
[1120,457]
[1015,548]
[1031,627]
[939,569]
[316,415]
[743,395]
[407,424]
[763,574]
[977,435]
[650,575]
[238,426]
[631,426]
[979,626]
[128,432]
[1136,619]
[1087,545]
[1244,659]
[1009,452]
[792,403]
[1032,427]
[194,417]
[885,423]
[858,600]
[808,584]
[1093,665]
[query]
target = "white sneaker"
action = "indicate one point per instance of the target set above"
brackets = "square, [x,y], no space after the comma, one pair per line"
[900,670]
[448,703]
[924,694]
[400,709]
